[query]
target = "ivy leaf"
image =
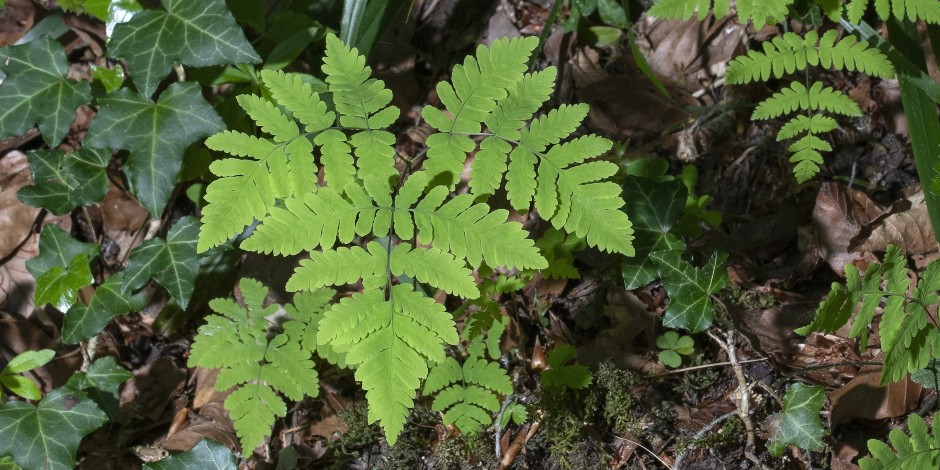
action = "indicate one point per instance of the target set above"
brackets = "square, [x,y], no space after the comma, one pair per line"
[18,384]
[36,90]
[59,286]
[689,288]
[6,463]
[57,248]
[206,455]
[102,383]
[172,262]
[800,424]
[198,34]
[63,181]
[85,321]
[156,134]
[655,206]
[47,436]
[561,375]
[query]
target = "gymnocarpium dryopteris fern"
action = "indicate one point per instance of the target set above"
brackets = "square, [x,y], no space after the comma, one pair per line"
[258,359]
[403,235]
[919,450]
[792,53]
[762,12]
[909,338]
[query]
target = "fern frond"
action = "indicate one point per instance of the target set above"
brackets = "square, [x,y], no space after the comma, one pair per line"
[290,91]
[236,341]
[807,156]
[798,97]
[919,450]
[348,265]
[760,12]
[468,230]
[791,52]
[362,103]
[472,96]
[270,119]
[814,124]
[467,394]
[523,99]
[927,10]
[391,346]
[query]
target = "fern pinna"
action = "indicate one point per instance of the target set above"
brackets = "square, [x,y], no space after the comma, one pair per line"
[397,233]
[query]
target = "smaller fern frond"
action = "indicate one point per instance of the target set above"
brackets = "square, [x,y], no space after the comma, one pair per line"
[807,156]
[760,12]
[814,124]
[927,10]
[470,98]
[798,97]
[290,91]
[236,342]
[269,118]
[920,449]
[391,345]
[791,53]
[362,103]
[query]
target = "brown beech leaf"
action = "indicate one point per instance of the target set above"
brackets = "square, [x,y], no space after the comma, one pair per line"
[865,397]
[838,216]
[910,230]
[16,218]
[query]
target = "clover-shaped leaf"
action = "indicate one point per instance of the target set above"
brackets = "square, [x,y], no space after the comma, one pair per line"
[674,347]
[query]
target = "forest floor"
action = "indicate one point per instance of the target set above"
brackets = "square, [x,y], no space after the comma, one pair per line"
[787,243]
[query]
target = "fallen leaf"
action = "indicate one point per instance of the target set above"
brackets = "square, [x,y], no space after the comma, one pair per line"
[865,397]
[16,218]
[910,230]
[837,218]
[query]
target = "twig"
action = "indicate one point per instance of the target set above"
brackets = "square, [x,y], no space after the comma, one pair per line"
[680,457]
[743,392]
[703,366]
[499,425]
[658,458]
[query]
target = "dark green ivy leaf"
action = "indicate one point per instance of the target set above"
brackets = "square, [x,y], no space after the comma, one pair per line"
[36,90]
[85,321]
[57,249]
[800,424]
[46,437]
[63,181]
[102,383]
[654,208]
[197,33]
[156,134]
[59,286]
[690,289]
[206,455]
[172,262]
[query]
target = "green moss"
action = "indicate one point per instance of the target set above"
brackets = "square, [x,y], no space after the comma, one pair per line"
[746,298]
[618,406]
[695,380]
[464,452]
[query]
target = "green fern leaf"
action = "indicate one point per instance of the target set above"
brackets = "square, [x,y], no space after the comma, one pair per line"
[927,10]
[476,86]
[798,97]
[815,124]
[391,345]
[807,156]
[236,341]
[523,99]
[348,265]
[269,118]
[362,103]
[791,53]
[467,394]
[290,91]
[468,230]
[919,450]
[760,12]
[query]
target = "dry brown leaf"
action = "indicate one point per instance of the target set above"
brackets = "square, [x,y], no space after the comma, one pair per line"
[16,218]
[837,218]
[909,230]
[865,397]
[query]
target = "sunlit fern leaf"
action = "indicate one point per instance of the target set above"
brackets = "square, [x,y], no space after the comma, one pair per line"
[760,12]
[798,97]
[807,156]
[791,53]
[927,10]
[523,99]
[290,91]
[236,341]
[814,124]
[470,98]
[468,230]
[348,265]
[362,103]
[920,449]
[394,341]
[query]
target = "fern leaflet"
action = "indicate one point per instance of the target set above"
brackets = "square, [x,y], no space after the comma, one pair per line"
[919,450]
[258,364]
[927,10]
[760,12]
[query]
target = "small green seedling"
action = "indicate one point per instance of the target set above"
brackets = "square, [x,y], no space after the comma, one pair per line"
[10,375]
[673,348]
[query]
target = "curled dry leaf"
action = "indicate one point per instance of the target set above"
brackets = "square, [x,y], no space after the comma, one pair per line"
[909,229]
[838,216]
[865,397]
